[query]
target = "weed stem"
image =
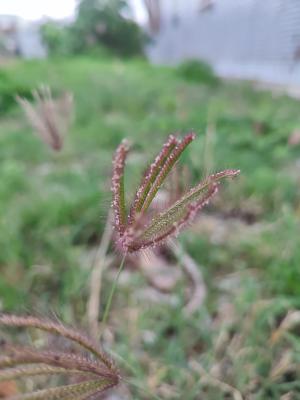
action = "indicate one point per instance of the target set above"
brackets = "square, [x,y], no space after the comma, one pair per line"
[112,291]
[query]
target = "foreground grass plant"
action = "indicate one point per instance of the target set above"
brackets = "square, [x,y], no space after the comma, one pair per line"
[93,369]
[137,229]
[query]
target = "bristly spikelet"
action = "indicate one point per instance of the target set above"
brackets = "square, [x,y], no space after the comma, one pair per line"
[96,371]
[166,168]
[151,175]
[172,221]
[118,187]
[136,232]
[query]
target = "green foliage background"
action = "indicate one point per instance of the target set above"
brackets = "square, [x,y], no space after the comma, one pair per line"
[53,209]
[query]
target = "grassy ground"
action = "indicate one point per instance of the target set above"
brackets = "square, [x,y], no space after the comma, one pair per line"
[244,340]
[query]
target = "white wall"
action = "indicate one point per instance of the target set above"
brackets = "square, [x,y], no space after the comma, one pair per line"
[30,42]
[240,38]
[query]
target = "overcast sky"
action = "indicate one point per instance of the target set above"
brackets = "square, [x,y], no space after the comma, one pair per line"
[35,9]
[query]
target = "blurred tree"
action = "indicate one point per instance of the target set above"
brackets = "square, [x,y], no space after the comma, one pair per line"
[99,23]
[57,38]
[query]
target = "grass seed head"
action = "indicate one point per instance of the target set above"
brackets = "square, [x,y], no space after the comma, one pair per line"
[95,369]
[137,231]
[50,118]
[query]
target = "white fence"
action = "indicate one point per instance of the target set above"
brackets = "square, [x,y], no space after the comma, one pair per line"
[255,39]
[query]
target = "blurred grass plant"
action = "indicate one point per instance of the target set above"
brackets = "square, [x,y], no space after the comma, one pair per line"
[96,371]
[198,71]
[49,118]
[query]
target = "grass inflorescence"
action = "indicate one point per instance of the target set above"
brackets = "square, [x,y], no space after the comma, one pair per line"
[135,230]
[94,370]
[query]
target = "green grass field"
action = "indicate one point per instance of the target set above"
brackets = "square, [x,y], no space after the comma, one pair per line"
[53,209]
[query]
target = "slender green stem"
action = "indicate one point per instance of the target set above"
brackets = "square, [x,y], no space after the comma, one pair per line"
[112,291]
[141,388]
